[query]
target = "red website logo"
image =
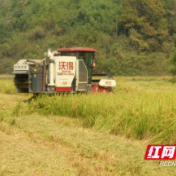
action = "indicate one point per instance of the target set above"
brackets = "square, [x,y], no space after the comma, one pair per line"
[160,152]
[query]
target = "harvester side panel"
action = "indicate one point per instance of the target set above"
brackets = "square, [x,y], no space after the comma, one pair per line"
[35,79]
[65,73]
[81,75]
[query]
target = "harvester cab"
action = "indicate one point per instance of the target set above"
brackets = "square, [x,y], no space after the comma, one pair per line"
[64,70]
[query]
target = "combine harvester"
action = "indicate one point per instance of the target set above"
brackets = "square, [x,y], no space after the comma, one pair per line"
[66,70]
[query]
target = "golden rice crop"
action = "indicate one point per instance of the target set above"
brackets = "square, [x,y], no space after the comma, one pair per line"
[136,109]
[7,86]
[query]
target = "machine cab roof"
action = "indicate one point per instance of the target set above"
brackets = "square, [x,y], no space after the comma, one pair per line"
[77,49]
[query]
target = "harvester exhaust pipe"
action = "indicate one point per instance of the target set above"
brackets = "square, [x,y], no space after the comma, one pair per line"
[51,68]
[49,55]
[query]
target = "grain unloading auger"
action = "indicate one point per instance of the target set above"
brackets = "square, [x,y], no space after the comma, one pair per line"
[66,70]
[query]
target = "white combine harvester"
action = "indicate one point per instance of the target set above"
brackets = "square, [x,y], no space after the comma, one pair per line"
[64,70]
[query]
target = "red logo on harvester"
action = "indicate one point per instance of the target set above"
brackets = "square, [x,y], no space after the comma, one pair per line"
[160,152]
[65,65]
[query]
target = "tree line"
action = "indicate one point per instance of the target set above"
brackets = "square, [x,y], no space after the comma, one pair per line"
[133,37]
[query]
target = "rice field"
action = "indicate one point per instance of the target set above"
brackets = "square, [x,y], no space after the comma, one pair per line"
[135,109]
[87,134]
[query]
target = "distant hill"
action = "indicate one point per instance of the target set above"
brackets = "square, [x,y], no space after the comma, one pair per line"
[132,37]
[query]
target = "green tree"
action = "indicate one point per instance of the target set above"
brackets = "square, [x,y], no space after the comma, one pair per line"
[144,20]
[170,6]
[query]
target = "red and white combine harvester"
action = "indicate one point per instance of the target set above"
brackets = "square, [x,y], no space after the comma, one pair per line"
[66,70]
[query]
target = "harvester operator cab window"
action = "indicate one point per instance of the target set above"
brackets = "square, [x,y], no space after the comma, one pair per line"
[87,57]
[88,60]
[69,54]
